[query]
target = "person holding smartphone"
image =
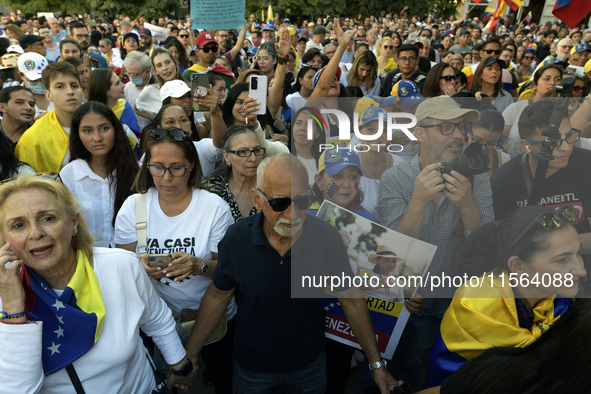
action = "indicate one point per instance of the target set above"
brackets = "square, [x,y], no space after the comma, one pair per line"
[186,221]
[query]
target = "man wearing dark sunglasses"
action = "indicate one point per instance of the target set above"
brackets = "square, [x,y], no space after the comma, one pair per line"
[567,180]
[279,332]
[416,199]
[492,48]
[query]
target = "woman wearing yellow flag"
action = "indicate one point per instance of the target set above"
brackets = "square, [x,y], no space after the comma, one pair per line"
[533,264]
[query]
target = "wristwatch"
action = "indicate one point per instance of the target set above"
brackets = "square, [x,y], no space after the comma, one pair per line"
[378,364]
[185,370]
[204,267]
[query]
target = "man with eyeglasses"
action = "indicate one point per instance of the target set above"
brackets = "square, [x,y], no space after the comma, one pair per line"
[408,59]
[256,257]
[111,54]
[56,31]
[567,181]
[563,49]
[418,200]
[207,50]
[492,48]
[79,32]
[51,48]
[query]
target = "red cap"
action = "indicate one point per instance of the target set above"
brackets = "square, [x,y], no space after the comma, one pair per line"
[204,39]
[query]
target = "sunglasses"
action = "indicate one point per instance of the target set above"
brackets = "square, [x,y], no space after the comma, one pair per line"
[578,88]
[449,78]
[184,36]
[177,135]
[54,176]
[490,51]
[388,47]
[550,221]
[529,57]
[280,204]
[213,49]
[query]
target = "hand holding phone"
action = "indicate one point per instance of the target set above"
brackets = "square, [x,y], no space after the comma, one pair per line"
[199,86]
[159,260]
[257,89]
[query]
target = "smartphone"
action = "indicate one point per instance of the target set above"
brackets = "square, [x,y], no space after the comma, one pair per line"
[257,89]
[199,80]
[159,260]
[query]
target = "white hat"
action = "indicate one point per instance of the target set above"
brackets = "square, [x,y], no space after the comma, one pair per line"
[175,88]
[32,65]
[15,49]
[383,251]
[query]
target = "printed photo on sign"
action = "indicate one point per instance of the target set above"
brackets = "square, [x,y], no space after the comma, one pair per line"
[385,263]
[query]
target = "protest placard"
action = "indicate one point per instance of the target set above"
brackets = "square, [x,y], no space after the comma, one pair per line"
[218,14]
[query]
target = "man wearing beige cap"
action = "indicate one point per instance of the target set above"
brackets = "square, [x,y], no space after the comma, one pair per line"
[416,199]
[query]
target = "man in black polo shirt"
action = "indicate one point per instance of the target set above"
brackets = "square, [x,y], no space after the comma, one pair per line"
[568,180]
[280,338]
[408,59]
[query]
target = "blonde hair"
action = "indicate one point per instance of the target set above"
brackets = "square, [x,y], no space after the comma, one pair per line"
[381,43]
[65,199]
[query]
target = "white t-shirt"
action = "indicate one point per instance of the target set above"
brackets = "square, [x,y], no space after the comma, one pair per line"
[511,114]
[149,100]
[39,111]
[311,44]
[311,168]
[197,231]
[295,101]
[96,197]
[118,362]
[207,153]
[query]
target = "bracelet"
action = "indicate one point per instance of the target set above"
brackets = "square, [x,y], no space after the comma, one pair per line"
[282,59]
[5,315]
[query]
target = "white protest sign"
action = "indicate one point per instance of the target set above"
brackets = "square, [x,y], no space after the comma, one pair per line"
[218,14]
[159,34]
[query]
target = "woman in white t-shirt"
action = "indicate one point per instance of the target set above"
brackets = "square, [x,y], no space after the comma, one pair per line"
[186,222]
[165,68]
[306,150]
[102,169]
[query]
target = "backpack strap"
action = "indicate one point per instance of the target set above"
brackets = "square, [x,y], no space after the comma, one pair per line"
[141,225]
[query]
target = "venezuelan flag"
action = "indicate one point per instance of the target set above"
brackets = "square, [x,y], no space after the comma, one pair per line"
[514,4]
[488,13]
[528,17]
[270,17]
[126,115]
[499,12]
[472,325]
[72,322]
[571,12]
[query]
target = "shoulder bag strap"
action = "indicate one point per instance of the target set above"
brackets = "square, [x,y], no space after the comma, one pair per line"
[75,380]
[141,225]
[526,172]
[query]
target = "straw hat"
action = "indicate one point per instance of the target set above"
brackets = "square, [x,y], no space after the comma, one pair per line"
[383,251]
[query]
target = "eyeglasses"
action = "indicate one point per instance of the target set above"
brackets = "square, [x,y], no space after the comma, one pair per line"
[550,221]
[488,145]
[280,204]
[406,59]
[490,51]
[177,135]
[248,152]
[159,171]
[184,36]
[214,49]
[448,128]
[388,46]
[135,76]
[529,57]
[81,36]
[54,176]
[573,136]
[449,78]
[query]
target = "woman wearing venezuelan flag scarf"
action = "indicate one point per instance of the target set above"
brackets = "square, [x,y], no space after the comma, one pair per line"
[532,264]
[70,313]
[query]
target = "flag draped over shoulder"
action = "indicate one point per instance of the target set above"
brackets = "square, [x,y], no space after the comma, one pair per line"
[571,12]
[473,324]
[72,321]
[126,116]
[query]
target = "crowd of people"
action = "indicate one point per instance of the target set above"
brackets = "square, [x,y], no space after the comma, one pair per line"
[135,199]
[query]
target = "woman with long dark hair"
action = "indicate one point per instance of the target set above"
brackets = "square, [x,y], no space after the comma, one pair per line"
[440,80]
[487,80]
[177,49]
[308,151]
[532,265]
[102,169]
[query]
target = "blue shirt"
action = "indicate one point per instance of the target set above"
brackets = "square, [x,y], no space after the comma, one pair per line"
[275,331]
[62,34]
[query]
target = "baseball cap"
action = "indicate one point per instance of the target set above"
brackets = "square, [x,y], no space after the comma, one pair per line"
[252,51]
[269,27]
[579,48]
[319,29]
[15,49]
[334,160]
[531,47]
[444,108]
[204,39]
[175,88]
[145,32]
[91,23]
[465,31]
[286,20]
[371,114]
[125,23]
[493,60]
[587,67]
[370,100]
[29,39]
[302,39]
[554,60]
[32,65]
[407,92]
[131,35]
[319,73]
